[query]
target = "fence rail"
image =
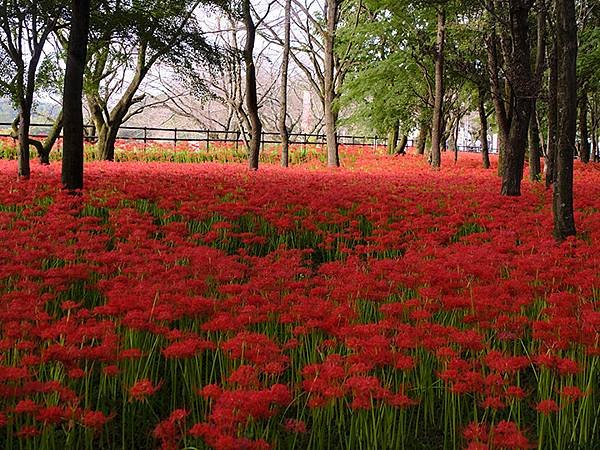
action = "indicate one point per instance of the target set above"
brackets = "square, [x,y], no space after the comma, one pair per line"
[175,135]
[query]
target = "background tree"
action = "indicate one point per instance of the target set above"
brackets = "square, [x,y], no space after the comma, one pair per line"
[25,27]
[133,39]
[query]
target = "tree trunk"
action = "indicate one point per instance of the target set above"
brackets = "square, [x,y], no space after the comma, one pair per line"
[23,135]
[331,14]
[251,94]
[401,149]
[535,148]
[436,132]
[522,88]
[393,135]
[46,146]
[483,132]
[584,143]
[107,140]
[283,130]
[422,139]
[594,130]
[534,145]
[566,30]
[550,161]
[72,162]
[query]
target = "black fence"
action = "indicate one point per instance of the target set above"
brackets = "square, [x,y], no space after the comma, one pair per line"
[177,135]
[184,135]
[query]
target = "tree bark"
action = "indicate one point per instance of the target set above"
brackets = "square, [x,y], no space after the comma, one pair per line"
[566,30]
[329,87]
[436,132]
[251,93]
[535,150]
[422,138]
[584,143]
[522,88]
[72,162]
[401,149]
[24,170]
[283,130]
[483,132]
[46,146]
[393,135]
[550,161]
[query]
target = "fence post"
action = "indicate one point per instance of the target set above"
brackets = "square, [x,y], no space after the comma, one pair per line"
[145,137]
[207,140]
[175,137]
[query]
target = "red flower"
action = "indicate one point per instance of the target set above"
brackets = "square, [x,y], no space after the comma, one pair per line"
[508,435]
[295,426]
[27,431]
[547,407]
[94,419]
[142,389]
[572,393]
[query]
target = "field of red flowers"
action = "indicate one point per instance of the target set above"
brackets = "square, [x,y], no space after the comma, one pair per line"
[379,306]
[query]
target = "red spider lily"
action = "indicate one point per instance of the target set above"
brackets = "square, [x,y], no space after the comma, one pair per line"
[507,434]
[143,389]
[168,431]
[547,407]
[28,431]
[572,393]
[26,406]
[51,414]
[186,348]
[95,420]
[295,426]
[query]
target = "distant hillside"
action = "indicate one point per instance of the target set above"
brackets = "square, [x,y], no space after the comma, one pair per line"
[43,111]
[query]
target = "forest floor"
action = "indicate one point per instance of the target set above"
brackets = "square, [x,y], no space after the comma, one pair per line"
[379,305]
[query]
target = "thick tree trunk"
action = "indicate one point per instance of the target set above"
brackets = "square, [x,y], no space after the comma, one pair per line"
[251,94]
[483,131]
[522,88]
[436,132]
[72,162]
[283,130]
[535,150]
[584,143]
[566,30]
